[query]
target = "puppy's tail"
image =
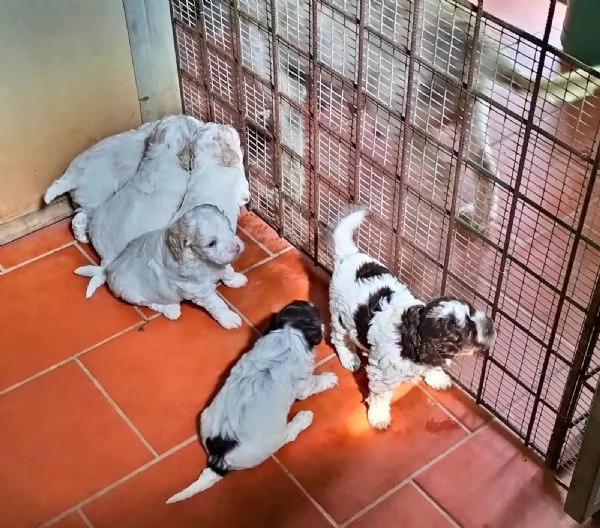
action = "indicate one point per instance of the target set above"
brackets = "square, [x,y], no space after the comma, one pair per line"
[568,87]
[98,278]
[67,182]
[207,479]
[344,231]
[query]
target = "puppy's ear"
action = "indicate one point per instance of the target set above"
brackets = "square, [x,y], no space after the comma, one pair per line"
[178,238]
[228,156]
[410,336]
[157,136]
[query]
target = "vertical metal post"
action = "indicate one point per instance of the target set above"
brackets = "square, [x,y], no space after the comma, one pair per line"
[312,127]
[201,35]
[415,26]
[513,206]
[272,20]
[467,101]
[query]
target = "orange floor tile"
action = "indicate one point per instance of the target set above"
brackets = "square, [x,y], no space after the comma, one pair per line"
[98,412]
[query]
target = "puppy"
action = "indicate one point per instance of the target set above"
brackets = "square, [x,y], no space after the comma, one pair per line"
[150,199]
[402,336]
[100,171]
[218,178]
[161,268]
[248,419]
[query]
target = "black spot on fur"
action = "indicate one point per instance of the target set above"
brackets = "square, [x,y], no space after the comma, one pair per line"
[369,270]
[217,448]
[365,312]
[303,316]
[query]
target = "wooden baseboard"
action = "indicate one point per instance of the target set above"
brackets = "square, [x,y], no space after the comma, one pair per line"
[34,220]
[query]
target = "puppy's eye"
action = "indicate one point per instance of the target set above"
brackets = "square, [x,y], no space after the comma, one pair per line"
[211,244]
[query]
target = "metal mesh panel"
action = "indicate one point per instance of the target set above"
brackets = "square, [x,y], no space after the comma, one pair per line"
[388,104]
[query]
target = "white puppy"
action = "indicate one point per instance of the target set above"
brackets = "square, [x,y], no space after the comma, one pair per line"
[402,336]
[218,178]
[248,419]
[161,268]
[150,199]
[100,171]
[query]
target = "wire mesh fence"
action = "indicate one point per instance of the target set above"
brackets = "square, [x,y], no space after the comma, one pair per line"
[475,188]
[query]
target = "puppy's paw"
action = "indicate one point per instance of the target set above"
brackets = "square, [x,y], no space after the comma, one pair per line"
[328,380]
[379,417]
[172,312]
[350,361]
[238,280]
[229,320]
[438,380]
[303,419]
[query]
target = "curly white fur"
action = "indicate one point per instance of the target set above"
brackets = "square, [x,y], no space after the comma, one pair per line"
[248,419]
[152,196]
[402,336]
[161,268]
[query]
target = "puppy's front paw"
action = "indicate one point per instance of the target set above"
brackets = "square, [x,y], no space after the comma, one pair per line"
[172,312]
[303,419]
[438,380]
[238,280]
[350,361]
[328,380]
[229,320]
[379,417]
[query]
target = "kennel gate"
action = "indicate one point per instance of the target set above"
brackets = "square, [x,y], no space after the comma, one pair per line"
[311,148]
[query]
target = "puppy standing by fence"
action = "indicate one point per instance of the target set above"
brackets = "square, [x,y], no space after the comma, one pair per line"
[247,422]
[185,261]
[401,336]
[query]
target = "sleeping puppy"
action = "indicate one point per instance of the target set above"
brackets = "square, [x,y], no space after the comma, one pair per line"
[152,196]
[218,177]
[402,336]
[185,261]
[100,171]
[248,419]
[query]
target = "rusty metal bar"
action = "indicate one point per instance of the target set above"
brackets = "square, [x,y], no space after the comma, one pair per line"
[201,35]
[313,181]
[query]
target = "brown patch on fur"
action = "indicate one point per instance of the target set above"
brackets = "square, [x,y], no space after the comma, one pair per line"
[186,156]
[228,155]
[157,136]
[178,239]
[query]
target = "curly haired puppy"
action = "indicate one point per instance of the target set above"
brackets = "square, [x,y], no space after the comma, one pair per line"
[248,419]
[402,336]
[152,196]
[161,268]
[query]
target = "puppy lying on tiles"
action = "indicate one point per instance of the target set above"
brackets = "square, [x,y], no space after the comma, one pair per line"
[248,419]
[185,261]
[101,171]
[402,336]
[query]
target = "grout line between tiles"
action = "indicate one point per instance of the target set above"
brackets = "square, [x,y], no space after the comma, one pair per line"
[120,411]
[445,409]
[38,257]
[85,518]
[259,263]
[410,477]
[431,500]
[320,508]
[120,481]
[325,360]
[256,241]
[86,254]
[71,358]
[235,309]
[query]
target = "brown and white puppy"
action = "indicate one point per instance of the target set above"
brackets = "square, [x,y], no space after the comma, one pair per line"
[185,261]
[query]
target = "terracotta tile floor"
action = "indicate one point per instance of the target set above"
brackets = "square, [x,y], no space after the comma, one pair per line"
[99,402]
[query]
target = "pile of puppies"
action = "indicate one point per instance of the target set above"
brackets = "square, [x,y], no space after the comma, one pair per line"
[160,205]
[164,226]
